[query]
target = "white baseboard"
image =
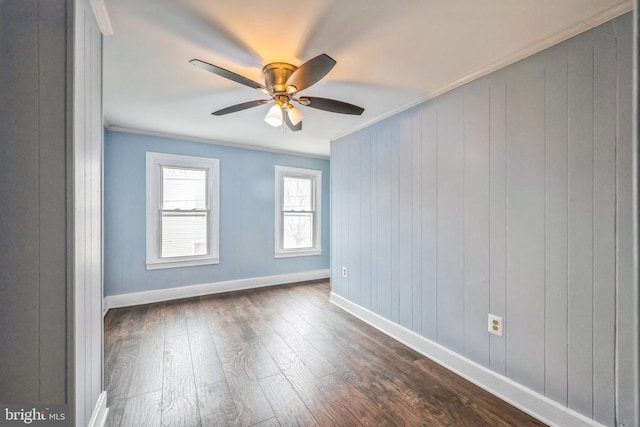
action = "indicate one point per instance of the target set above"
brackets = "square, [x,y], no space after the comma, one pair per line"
[100,412]
[523,398]
[147,297]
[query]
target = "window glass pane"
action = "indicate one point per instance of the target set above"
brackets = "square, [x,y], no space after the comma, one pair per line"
[183,188]
[297,230]
[297,194]
[184,234]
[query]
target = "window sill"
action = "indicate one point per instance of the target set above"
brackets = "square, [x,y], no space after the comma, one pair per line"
[158,265]
[296,253]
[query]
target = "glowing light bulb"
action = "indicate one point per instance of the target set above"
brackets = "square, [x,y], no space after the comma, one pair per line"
[295,115]
[274,116]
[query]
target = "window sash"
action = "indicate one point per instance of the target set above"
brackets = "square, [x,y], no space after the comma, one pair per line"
[184,239]
[185,168]
[312,195]
[184,211]
[309,239]
[181,245]
[200,242]
[311,231]
[292,212]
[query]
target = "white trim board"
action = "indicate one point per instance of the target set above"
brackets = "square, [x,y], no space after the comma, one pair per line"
[523,398]
[147,297]
[102,17]
[100,412]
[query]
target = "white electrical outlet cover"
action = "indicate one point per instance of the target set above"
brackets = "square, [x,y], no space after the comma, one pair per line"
[495,325]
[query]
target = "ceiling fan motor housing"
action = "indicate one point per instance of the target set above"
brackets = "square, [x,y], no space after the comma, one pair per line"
[276,75]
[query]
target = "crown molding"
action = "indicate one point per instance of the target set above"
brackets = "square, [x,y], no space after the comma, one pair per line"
[559,37]
[113,128]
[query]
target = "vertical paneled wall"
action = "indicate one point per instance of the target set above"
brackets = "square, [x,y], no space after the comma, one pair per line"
[627,251]
[42,360]
[33,213]
[87,211]
[504,196]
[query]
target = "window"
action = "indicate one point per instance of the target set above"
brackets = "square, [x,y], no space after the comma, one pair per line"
[298,202]
[182,211]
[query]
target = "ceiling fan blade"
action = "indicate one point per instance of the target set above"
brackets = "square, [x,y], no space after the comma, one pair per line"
[227,74]
[294,128]
[311,72]
[240,107]
[331,105]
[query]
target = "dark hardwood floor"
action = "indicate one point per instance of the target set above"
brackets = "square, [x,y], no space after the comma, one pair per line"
[278,356]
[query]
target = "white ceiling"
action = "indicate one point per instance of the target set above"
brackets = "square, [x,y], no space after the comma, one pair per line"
[390,55]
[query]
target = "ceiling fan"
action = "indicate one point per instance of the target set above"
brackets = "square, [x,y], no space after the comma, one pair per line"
[283,82]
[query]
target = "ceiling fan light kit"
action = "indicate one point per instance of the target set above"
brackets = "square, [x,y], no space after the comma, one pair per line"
[282,82]
[274,116]
[295,115]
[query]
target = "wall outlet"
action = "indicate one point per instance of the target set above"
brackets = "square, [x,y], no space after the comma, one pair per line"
[344,271]
[496,325]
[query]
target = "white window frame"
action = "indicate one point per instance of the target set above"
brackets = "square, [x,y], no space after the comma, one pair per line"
[316,177]
[155,163]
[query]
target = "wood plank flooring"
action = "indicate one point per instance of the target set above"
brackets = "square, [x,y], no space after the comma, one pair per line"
[278,356]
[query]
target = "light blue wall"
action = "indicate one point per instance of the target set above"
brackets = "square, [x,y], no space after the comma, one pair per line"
[510,195]
[246,215]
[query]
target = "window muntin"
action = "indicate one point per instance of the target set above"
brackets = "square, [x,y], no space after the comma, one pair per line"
[182,210]
[297,211]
